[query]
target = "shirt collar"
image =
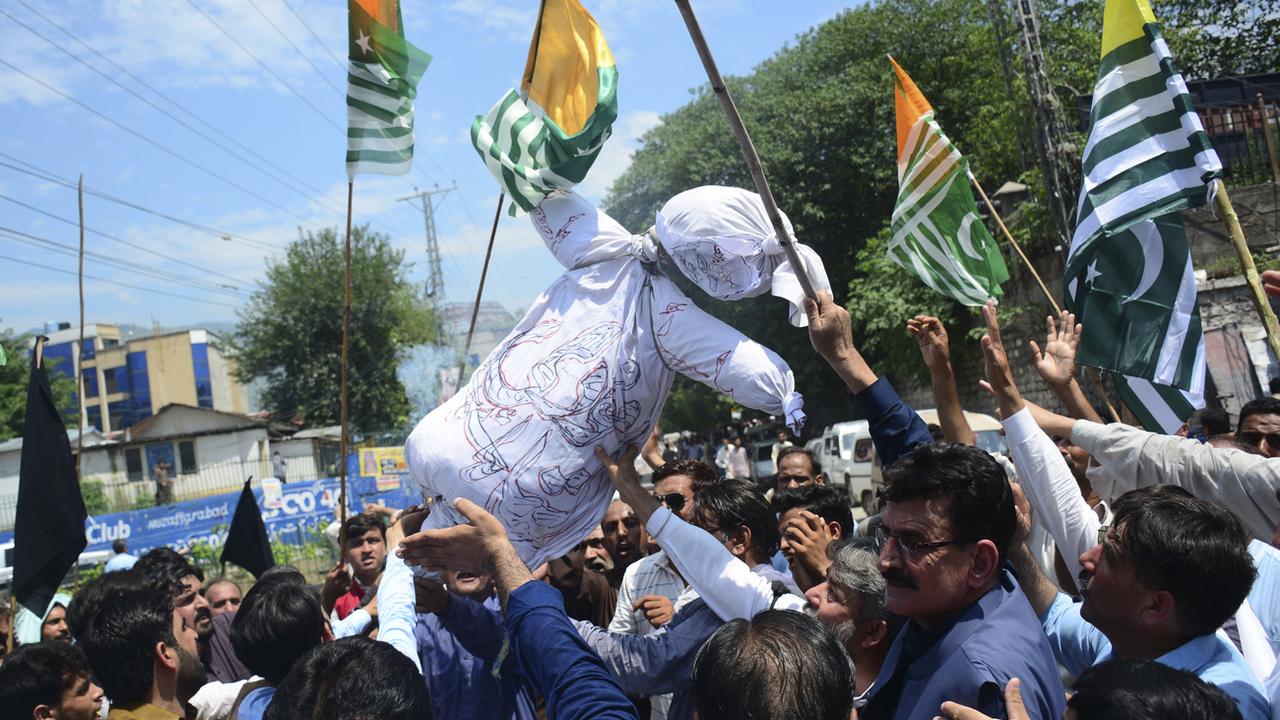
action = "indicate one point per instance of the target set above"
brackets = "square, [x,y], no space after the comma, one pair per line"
[1194,654]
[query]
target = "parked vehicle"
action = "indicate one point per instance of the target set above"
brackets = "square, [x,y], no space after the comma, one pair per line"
[87,559]
[846,458]
[989,432]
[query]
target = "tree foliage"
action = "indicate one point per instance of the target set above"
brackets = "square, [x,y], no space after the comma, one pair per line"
[1215,38]
[290,333]
[14,376]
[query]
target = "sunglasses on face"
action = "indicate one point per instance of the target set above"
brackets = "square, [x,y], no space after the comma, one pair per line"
[673,501]
[1256,438]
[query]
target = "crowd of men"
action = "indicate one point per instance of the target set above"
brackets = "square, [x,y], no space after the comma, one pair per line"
[1094,571]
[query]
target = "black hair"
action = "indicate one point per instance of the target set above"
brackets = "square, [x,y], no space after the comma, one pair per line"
[697,471]
[360,524]
[1215,421]
[1183,544]
[332,681]
[166,569]
[935,432]
[824,501]
[118,618]
[1261,406]
[39,674]
[796,449]
[735,502]
[118,546]
[280,619]
[1147,690]
[979,503]
[778,665]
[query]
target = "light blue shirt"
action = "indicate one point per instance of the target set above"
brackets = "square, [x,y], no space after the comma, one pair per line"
[1079,645]
[123,561]
[255,702]
[1264,598]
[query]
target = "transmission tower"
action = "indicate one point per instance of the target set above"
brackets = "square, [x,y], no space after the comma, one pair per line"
[1055,152]
[423,201]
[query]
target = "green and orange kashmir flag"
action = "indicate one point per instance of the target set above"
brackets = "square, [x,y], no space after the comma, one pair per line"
[937,233]
[382,82]
[546,136]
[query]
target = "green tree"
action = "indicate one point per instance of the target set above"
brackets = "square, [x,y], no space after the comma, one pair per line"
[1216,38]
[14,376]
[290,333]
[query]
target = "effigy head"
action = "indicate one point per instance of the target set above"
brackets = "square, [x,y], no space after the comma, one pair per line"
[722,240]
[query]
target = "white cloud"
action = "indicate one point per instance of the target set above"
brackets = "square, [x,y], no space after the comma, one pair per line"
[513,21]
[616,156]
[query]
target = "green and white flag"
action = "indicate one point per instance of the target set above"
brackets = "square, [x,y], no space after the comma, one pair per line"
[547,136]
[1160,408]
[937,232]
[382,81]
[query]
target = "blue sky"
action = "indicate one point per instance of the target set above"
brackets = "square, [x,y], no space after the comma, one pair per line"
[59,118]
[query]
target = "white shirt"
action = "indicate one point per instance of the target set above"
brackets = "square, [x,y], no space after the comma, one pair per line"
[650,575]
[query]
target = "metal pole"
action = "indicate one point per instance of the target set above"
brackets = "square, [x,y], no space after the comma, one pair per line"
[748,148]
[475,309]
[346,342]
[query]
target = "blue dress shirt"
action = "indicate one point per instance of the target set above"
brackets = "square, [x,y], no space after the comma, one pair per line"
[558,662]
[970,659]
[894,427]
[458,649]
[1079,646]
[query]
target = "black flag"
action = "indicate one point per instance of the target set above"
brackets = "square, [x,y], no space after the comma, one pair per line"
[247,543]
[48,535]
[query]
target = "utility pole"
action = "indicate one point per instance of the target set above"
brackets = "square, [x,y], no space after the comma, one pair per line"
[422,200]
[997,12]
[1055,152]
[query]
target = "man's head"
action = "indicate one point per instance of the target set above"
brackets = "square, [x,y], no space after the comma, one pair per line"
[1260,425]
[55,626]
[737,442]
[1215,421]
[469,584]
[140,646]
[48,681]
[850,602]
[333,681]
[681,477]
[595,551]
[365,546]
[824,501]
[168,570]
[223,596]
[623,534]
[119,546]
[736,513]
[948,521]
[278,622]
[777,666]
[1146,690]
[1146,581]
[798,467]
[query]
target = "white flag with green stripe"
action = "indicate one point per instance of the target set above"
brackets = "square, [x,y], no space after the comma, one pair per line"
[547,136]
[1160,408]
[382,82]
[937,232]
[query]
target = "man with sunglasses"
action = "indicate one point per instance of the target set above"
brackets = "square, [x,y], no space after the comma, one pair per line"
[1260,425]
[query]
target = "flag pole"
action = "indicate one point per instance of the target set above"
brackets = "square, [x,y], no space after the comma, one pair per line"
[475,309]
[1057,309]
[80,410]
[346,342]
[1222,203]
[748,148]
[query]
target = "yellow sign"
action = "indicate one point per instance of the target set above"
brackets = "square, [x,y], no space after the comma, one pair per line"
[385,464]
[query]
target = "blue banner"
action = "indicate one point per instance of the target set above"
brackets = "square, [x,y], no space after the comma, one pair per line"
[301,506]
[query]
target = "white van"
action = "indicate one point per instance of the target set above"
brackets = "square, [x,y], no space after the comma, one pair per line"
[845,456]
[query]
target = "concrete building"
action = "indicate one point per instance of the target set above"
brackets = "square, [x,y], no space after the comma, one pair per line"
[128,380]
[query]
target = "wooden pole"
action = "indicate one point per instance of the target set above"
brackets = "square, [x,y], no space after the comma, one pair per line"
[1222,203]
[13,621]
[475,309]
[1057,310]
[748,148]
[1271,143]
[80,410]
[346,343]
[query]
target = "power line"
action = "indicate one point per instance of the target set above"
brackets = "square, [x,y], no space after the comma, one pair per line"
[266,67]
[314,35]
[35,171]
[117,282]
[137,246]
[296,49]
[151,142]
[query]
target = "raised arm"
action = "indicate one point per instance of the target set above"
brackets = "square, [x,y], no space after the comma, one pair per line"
[1057,365]
[895,428]
[935,347]
[577,233]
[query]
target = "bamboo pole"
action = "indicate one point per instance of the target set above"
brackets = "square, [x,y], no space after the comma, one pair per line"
[346,343]
[1271,143]
[81,412]
[1057,309]
[13,621]
[748,148]
[1222,203]
[475,309]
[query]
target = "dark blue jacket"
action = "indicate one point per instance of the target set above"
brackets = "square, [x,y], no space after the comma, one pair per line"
[895,428]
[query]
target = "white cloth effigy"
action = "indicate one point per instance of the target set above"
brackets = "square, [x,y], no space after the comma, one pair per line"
[589,364]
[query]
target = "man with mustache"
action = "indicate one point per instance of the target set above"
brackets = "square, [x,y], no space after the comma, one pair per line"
[169,571]
[623,538]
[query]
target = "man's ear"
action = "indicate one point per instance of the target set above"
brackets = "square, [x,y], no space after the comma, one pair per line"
[166,655]
[1158,609]
[820,479]
[986,563]
[837,533]
[44,712]
[877,632]
[740,540]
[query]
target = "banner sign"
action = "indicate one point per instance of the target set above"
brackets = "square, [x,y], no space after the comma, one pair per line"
[289,511]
